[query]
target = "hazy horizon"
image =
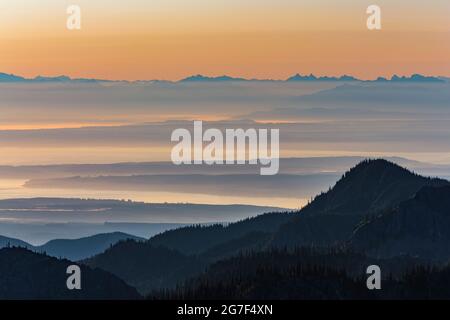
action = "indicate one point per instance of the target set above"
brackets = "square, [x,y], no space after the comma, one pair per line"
[101,128]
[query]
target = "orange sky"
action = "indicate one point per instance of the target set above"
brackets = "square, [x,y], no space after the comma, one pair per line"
[172,39]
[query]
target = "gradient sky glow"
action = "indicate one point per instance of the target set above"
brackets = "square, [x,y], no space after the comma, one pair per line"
[171,39]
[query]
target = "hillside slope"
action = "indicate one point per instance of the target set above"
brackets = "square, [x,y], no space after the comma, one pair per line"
[371,186]
[28,275]
[417,227]
[77,249]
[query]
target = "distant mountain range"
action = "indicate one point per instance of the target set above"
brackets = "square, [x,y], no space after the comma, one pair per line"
[73,249]
[311,77]
[4,77]
[11,78]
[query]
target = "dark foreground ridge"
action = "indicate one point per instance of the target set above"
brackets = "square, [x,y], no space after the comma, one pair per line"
[378,213]
[28,275]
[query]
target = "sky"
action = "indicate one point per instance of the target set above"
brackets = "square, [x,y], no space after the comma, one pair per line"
[172,39]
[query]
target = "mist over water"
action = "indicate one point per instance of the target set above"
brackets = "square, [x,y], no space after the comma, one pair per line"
[119,135]
[10,189]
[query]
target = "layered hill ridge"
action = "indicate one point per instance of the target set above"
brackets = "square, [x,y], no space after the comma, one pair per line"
[12,242]
[82,248]
[173,256]
[377,208]
[147,267]
[72,249]
[28,275]
[418,227]
[197,239]
[371,186]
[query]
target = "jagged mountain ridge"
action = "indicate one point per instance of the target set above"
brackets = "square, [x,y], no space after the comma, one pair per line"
[4,77]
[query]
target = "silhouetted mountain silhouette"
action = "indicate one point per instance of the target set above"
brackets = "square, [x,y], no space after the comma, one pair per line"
[146,267]
[197,239]
[173,256]
[77,249]
[311,77]
[370,186]
[223,78]
[371,189]
[28,275]
[72,249]
[331,217]
[201,78]
[4,77]
[417,227]
[307,273]
[11,242]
